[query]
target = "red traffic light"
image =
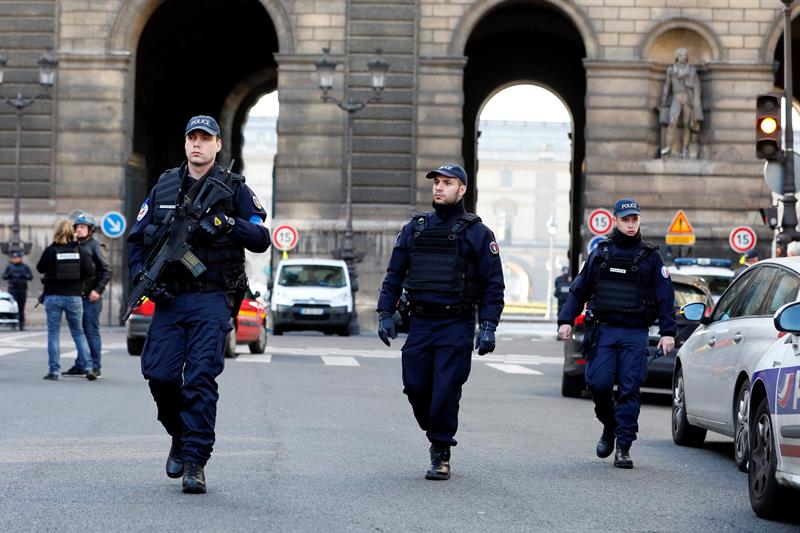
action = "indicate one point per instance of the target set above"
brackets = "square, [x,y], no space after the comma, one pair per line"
[768,126]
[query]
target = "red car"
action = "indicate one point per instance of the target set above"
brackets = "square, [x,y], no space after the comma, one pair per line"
[251,326]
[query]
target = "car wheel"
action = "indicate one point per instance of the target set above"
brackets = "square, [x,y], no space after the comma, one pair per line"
[230,344]
[344,331]
[767,498]
[683,433]
[741,436]
[277,330]
[135,346]
[572,386]
[259,345]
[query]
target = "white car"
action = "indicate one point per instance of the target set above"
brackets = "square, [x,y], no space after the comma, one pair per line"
[714,367]
[9,312]
[774,467]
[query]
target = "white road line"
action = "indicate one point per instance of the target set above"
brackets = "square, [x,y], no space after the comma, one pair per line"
[16,336]
[9,351]
[514,369]
[330,360]
[260,358]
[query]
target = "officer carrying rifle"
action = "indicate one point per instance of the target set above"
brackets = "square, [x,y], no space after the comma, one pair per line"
[627,287]
[186,254]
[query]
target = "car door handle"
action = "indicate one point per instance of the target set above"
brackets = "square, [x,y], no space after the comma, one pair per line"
[737,337]
[712,341]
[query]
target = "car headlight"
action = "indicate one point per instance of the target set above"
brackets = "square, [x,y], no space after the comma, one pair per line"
[284,308]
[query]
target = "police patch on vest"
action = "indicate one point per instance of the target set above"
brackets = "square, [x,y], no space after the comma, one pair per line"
[143,210]
[617,270]
[664,272]
[494,248]
[167,206]
[67,256]
[256,202]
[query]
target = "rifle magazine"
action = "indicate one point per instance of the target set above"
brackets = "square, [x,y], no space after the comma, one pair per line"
[191,262]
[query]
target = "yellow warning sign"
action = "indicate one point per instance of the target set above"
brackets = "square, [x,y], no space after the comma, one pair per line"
[680,224]
[680,240]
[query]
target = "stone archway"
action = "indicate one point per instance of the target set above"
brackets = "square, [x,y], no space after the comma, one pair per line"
[538,42]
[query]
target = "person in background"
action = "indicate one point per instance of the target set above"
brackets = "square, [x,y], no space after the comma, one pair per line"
[65,267]
[18,275]
[750,257]
[793,249]
[562,287]
[85,226]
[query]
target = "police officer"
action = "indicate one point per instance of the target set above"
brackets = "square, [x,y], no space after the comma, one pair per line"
[93,288]
[184,350]
[562,284]
[449,263]
[18,275]
[627,287]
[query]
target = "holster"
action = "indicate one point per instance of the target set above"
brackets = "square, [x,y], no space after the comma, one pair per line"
[587,347]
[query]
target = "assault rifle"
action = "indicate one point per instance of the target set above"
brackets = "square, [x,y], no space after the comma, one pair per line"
[174,246]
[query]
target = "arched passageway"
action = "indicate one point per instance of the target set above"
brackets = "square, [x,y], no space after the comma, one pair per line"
[529,42]
[204,57]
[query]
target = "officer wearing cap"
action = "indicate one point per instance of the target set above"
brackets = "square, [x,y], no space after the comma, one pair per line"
[85,226]
[449,263]
[627,287]
[184,350]
[17,274]
[749,258]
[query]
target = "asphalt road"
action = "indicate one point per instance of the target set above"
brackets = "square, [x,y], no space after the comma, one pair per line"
[316,435]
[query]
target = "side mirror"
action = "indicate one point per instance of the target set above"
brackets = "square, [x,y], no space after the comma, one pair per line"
[693,312]
[256,294]
[269,284]
[787,318]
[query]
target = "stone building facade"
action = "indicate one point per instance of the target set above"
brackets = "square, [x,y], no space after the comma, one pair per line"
[132,71]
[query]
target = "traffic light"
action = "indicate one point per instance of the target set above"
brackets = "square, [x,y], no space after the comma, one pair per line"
[768,126]
[769,215]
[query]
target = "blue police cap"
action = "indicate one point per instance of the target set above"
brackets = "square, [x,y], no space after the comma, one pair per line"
[203,122]
[451,170]
[626,206]
[751,254]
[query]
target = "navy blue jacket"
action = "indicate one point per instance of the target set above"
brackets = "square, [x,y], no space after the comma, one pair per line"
[653,274]
[480,247]
[248,231]
[17,276]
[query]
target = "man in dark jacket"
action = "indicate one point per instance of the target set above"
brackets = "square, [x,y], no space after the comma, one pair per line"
[18,275]
[93,287]
[562,287]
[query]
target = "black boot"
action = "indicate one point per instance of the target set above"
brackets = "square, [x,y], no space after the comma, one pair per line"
[622,458]
[605,446]
[194,479]
[440,463]
[75,370]
[175,460]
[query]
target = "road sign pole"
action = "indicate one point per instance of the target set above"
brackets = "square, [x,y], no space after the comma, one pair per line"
[788,231]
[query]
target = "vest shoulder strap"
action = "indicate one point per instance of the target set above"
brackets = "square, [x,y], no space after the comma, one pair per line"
[645,248]
[464,221]
[420,220]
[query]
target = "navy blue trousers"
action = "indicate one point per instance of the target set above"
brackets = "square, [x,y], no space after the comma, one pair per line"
[182,356]
[620,358]
[437,358]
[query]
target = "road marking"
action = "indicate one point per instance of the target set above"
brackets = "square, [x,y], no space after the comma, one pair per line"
[331,360]
[259,358]
[9,351]
[514,369]
[16,336]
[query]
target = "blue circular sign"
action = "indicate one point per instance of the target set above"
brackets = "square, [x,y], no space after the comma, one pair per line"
[594,242]
[113,224]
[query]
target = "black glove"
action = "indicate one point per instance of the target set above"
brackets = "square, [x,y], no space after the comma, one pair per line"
[160,294]
[484,340]
[213,225]
[386,328]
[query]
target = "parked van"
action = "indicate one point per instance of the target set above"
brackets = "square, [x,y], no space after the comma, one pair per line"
[313,294]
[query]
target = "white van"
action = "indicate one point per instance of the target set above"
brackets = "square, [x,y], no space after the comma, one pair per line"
[311,294]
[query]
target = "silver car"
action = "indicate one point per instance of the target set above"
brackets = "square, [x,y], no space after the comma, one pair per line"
[714,367]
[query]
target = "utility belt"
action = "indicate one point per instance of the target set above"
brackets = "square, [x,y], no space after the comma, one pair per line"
[193,285]
[441,310]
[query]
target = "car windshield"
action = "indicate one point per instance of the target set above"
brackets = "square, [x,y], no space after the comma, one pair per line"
[312,276]
[686,294]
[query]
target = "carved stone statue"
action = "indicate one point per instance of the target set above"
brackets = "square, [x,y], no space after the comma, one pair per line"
[681,109]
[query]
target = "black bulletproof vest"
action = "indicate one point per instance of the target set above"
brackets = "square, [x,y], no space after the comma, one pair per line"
[223,258]
[619,287]
[68,262]
[437,259]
